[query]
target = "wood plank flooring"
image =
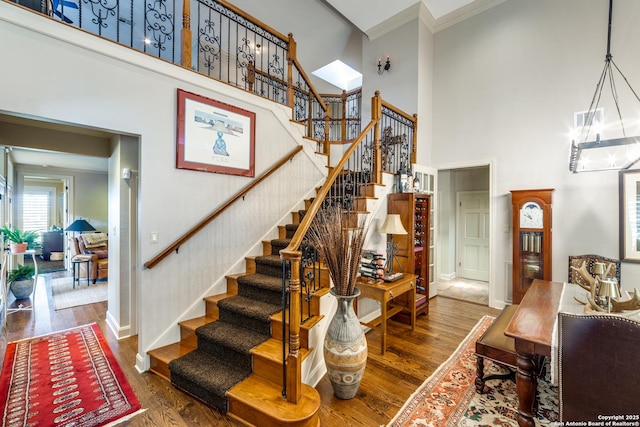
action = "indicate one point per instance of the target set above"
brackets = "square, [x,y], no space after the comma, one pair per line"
[388,381]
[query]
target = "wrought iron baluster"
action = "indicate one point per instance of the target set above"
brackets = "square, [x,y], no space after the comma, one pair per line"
[160,24]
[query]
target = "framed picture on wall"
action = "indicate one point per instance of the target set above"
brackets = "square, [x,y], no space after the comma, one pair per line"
[214,136]
[629,211]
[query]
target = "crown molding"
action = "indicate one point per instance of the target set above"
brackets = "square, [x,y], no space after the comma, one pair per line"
[397,20]
[464,13]
[421,11]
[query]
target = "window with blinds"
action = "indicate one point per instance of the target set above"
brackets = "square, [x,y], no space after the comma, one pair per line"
[36,208]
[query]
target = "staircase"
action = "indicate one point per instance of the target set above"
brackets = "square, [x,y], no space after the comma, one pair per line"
[231,358]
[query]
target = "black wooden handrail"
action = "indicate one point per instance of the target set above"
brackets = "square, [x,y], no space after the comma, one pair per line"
[186,236]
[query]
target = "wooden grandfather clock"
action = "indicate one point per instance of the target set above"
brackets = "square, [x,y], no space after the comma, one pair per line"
[531,238]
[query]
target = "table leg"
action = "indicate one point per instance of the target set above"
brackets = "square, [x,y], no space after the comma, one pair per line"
[75,265]
[412,302]
[383,339]
[526,385]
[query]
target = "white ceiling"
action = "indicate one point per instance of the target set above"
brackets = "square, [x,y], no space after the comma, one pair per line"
[375,17]
[48,158]
[28,156]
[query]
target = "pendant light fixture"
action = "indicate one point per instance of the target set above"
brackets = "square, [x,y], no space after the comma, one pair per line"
[600,154]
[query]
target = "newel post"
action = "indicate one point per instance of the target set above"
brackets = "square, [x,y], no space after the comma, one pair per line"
[294,362]
[252,75]
[414,146]
[186,34]
[291,54]
[343,130]
[327,119]
[376,114]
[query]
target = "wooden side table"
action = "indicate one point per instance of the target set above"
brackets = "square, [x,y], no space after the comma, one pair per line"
[385,292]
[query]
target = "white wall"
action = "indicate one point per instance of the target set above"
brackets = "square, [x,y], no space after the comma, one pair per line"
[75,78]
[506,85]
[398,85]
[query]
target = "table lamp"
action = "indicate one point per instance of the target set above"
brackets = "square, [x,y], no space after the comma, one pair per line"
[392,225]
[598,269]
[607,290]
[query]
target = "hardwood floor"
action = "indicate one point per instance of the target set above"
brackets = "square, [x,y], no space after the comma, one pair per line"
[388,381]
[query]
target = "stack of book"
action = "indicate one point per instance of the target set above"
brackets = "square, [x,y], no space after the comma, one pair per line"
[372,265]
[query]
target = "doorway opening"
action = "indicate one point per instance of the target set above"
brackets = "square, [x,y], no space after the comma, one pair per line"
[463,244]
[87,163]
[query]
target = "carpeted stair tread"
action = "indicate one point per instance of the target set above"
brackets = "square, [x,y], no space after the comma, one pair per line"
[270,265]
[269,260]
[292,228]
[231,336]
[262,281]
[249,307]
[207,377]
[278,244]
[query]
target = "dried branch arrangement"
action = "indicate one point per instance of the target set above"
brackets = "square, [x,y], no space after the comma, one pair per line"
[339,247]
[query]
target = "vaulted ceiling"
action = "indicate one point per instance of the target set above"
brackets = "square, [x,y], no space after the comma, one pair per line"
[375,17]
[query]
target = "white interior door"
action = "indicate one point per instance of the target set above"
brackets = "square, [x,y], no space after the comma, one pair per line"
[473,235]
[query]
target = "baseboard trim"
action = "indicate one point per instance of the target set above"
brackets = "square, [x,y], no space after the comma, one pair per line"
[143,363]
[449,276]
[118,331]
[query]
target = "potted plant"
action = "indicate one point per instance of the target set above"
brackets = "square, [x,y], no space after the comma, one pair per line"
[340,247]
[19,240]
[21,281]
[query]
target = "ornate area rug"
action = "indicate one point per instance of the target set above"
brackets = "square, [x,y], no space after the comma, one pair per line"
[67,378]
[65,296]
[449,398]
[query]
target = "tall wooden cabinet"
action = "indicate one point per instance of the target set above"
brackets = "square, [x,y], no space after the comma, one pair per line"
[531,239]
[414,248]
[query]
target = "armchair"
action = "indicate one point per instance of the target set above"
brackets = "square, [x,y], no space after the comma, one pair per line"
[598,368]
[97,246]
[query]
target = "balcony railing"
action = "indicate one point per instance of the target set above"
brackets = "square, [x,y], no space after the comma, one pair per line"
[212,37]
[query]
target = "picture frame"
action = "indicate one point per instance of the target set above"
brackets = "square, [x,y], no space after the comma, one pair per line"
[213,136]
[629,215]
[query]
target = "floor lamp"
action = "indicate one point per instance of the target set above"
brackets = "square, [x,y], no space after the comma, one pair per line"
[392,225]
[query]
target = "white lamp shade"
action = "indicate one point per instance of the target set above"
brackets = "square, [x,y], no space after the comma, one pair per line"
[392,225]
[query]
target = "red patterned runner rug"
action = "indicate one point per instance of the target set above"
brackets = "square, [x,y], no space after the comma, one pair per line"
[67,378]
[448,397]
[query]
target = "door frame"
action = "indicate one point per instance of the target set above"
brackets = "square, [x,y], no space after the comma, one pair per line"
[491,164]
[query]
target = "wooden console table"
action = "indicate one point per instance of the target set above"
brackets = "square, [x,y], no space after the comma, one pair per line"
[532,329]
[385,292]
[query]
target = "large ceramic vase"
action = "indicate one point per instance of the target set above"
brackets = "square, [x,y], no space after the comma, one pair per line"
[345,348]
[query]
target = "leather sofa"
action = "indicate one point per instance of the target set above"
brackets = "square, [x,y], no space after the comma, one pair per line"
[97,246]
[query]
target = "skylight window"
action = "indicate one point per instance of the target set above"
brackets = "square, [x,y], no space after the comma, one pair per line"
[340,74]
